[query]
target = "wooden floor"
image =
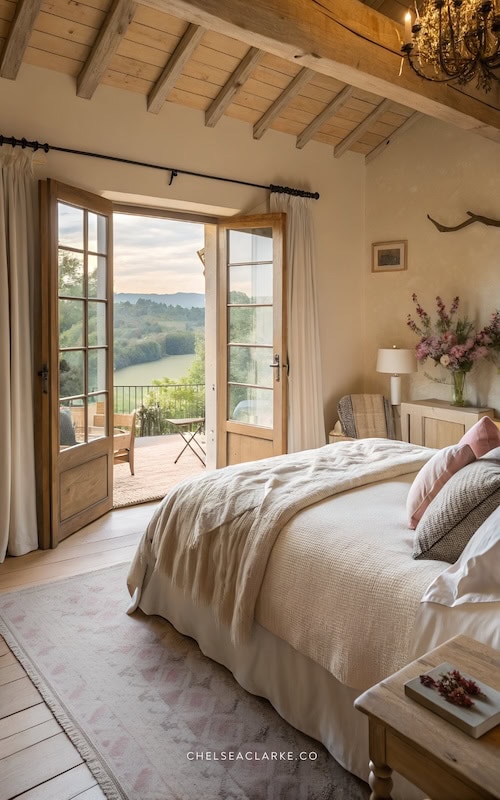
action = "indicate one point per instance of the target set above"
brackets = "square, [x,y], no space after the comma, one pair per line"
[37,760]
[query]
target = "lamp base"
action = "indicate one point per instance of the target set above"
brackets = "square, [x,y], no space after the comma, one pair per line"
[395,390]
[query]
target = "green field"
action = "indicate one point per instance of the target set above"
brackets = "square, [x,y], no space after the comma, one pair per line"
[173,367]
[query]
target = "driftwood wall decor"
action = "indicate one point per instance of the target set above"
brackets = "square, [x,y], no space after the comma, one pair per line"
[472,218]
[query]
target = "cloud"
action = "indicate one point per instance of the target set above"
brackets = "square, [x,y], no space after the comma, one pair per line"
[157,255]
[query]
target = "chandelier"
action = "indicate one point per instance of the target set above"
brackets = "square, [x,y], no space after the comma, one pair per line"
[455,40]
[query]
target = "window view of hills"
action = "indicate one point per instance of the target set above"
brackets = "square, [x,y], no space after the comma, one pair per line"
[148,327]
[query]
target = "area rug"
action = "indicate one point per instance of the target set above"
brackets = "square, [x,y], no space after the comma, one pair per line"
[143,699]
[154,471]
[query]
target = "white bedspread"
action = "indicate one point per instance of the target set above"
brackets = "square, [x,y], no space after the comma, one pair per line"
[342,587]
[214,535]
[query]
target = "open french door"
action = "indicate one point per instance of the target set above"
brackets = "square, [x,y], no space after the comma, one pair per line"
[76,370]
[252,372]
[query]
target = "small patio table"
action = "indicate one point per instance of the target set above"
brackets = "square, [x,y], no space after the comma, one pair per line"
[183,428]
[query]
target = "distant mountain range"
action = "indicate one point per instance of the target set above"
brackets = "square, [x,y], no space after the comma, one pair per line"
[183,299]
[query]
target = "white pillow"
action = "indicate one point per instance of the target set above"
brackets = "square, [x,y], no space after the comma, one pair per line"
[475,576]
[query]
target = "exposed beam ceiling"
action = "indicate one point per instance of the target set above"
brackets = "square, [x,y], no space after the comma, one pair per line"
[274,110]
[325,115]
[108,40]
[343,39]
[233,85]
[281,65]
[382,147]
[18,38]
[358,132]
[174,67]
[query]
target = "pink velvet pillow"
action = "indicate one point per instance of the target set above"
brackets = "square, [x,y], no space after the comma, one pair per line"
[482,437]
[433,476]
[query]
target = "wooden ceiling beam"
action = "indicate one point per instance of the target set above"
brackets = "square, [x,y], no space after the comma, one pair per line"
[108,40]
[343,39]
[232,86]
[360,129]
[274,110]
[176,63]
[318,122]
[18,38]
[382,147]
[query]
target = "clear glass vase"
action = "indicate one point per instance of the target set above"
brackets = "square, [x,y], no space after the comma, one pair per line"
[458,391]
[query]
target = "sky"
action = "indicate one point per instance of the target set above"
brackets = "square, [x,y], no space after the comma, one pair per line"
[154,255]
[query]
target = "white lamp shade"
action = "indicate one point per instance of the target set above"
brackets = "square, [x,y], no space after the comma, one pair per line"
[396,361]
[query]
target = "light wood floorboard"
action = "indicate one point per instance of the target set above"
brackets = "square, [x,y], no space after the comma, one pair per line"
[37,760]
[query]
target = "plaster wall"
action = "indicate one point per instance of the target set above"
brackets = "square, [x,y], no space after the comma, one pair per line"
[42,105]
[438,170]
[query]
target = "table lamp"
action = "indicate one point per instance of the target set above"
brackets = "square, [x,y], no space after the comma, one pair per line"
[396,361]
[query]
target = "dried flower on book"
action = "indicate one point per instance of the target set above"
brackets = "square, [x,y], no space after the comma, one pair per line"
[454,687]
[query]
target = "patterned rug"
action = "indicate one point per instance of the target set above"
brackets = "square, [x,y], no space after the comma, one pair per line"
[140,701]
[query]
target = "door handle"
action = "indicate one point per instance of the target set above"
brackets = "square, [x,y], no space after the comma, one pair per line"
[276,365]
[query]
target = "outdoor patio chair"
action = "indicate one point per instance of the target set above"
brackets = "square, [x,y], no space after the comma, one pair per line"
[124,440]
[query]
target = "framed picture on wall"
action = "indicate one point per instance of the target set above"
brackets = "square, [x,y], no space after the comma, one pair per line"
[389,256]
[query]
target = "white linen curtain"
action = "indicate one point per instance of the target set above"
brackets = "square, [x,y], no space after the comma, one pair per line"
[306,424]
[18,524]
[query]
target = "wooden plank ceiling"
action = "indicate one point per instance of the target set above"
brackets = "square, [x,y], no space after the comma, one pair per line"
[125,44]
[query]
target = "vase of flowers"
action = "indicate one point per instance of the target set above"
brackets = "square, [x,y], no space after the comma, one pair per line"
[449,341]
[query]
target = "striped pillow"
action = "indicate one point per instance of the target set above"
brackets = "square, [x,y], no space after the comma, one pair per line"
[457,511]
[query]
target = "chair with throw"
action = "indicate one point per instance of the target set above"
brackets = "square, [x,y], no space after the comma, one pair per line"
[124,439]
[366,415]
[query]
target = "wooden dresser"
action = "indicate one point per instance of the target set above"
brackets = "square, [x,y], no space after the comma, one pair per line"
[434,423]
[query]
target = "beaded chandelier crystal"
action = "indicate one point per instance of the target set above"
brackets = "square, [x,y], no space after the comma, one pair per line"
[455,40]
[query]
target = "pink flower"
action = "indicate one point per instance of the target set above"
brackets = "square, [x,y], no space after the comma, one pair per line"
[451,341]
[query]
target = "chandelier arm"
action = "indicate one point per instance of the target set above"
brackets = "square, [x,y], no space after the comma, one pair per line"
[423,75]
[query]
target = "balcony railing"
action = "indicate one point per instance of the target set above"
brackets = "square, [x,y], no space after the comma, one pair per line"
[156,404]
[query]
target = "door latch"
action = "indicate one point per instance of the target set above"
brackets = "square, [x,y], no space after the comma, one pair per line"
[44,375]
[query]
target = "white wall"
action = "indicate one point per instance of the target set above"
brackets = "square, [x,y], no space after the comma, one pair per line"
[42,105]
[434,169]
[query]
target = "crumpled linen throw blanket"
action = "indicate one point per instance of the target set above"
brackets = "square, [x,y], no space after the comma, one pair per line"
[212,535]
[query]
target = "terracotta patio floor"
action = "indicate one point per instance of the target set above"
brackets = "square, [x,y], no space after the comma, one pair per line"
[155,471]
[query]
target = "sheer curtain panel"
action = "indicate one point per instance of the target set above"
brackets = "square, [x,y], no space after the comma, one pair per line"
[306,424]
[18,238]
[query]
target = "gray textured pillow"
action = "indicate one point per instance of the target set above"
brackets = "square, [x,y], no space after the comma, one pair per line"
[458,510]
[492,455]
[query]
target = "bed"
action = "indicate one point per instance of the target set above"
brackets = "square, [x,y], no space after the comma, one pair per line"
[296,574]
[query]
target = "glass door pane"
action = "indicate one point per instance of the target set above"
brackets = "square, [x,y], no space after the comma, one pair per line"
[83,309]
[250,326]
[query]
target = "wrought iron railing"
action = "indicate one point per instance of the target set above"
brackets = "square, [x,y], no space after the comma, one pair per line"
[156,404]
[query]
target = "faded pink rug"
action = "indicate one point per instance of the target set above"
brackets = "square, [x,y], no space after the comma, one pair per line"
[140,701]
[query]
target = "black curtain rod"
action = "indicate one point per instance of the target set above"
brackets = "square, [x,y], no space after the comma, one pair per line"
[173,171]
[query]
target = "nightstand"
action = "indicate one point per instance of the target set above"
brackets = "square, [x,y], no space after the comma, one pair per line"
[434,423]
[434,755]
